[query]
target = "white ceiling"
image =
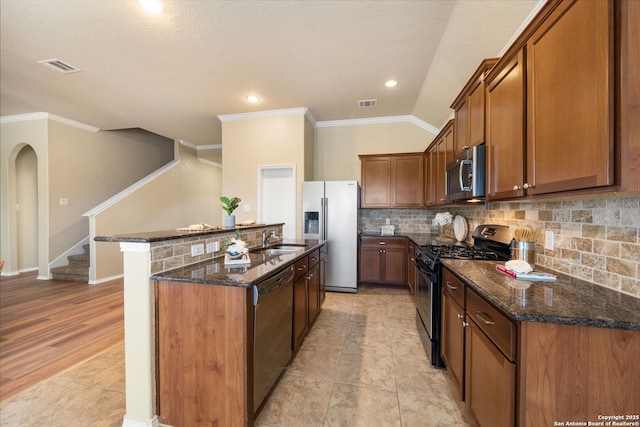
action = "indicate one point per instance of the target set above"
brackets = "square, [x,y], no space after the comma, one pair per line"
[174,73]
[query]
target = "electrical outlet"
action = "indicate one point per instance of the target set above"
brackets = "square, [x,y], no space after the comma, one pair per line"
[197,249]
[213,247]
[548,240]
[246,208]
[64,202]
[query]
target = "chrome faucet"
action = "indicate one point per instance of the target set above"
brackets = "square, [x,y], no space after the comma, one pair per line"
[268,239]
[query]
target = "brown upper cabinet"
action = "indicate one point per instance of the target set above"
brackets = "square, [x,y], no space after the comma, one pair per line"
[469,109]
[392,180]
[438,154]
[550,104]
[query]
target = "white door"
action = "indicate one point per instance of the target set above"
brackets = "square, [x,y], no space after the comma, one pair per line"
[277,197]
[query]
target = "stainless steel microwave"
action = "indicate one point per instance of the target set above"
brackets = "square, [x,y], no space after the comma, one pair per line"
[466,175]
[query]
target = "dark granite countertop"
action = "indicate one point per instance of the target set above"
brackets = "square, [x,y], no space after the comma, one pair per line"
[421,239]
[159,236]
[262,266]
[568,300]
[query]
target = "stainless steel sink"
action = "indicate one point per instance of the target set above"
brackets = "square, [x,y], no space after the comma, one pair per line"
[278,250]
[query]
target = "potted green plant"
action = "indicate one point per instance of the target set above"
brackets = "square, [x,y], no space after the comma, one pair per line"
[229,205]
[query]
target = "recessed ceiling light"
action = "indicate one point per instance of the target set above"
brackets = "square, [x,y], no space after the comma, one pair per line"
[153,6]
[252,99]
[391,83]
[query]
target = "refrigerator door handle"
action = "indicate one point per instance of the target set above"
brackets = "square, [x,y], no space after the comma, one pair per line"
[325,213]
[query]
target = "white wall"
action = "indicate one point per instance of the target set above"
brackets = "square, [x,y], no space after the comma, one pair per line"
[338,147]
[251,141]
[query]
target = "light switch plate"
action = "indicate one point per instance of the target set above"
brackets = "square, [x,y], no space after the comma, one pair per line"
[548,240]
[246,208]
[213,247]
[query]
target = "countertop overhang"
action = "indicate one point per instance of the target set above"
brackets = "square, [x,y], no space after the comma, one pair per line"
[261,267]
[568,300]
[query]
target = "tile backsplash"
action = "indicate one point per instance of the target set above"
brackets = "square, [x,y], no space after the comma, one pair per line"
[596,238]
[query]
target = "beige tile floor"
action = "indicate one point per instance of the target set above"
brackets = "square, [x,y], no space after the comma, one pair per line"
[90,394]
[362,364]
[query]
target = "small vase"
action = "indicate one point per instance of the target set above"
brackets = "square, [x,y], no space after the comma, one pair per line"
[230,221]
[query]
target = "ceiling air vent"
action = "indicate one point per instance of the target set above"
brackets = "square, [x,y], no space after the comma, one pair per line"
[365,103]
[59,66]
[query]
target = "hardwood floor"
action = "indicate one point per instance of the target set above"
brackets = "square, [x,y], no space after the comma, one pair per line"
[48,326]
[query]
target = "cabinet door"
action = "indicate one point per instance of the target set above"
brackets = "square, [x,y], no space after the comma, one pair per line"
[408,181]
[490,380]
[411,267]
[314,292]
[370,264]
[300,311]
[376,182]
[476,117]
[453,339]
[505,131]
[323,274]
[570,78]
[395,266]
[462,127]
[432,178]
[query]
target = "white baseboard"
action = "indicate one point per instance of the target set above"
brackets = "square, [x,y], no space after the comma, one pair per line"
[106,279]
[130,422]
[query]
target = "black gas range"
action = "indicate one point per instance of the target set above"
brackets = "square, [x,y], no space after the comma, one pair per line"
[491,242]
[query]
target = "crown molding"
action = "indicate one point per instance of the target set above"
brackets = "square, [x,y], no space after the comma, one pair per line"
[42,115]
[378,120]
[269,113]
[200,147]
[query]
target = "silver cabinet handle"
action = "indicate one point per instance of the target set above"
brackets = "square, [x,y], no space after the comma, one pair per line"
[488,322]
[517,188]
[460,316]
[526,186]
[450,286]
[382,243]
[465,324]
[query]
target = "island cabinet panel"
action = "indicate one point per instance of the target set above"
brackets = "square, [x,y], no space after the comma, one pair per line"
[300,302]
[204,354]
[506,131]
[570,89]
[577,373]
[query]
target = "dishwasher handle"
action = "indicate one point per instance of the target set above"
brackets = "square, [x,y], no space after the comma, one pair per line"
[272,284]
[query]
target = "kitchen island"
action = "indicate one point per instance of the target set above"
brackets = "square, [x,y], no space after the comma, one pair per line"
[539,353]
[166,256]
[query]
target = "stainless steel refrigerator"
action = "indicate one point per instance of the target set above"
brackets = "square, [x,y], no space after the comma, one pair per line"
[330,212]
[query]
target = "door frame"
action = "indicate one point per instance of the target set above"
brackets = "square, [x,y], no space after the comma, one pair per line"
[293,188]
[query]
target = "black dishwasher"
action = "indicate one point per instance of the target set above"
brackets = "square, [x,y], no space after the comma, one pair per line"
[272,330]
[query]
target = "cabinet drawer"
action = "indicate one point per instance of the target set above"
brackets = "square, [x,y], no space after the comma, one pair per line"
[314,257]
[499,328]
[453,286]
[300,267]
[384,242]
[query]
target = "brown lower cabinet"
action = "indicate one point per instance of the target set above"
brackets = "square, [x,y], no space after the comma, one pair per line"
[383,260]
[307,295]
[531,374]
[204,346]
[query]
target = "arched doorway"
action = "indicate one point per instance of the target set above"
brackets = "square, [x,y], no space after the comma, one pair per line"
[26,209]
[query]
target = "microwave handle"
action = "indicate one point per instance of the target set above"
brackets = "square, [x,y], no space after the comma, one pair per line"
[462,163]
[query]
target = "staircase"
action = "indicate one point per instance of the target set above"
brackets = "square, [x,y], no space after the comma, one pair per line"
[76,271]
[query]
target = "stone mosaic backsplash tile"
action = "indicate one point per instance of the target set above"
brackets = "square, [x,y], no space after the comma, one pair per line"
[596,238]
[170,254]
